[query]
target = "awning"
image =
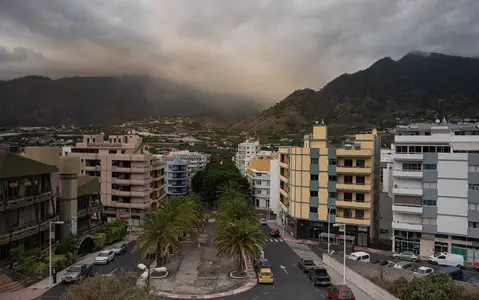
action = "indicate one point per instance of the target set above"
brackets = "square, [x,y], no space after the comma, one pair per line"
[465,146]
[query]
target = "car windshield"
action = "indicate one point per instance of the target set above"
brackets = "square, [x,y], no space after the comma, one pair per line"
[321,272]
[266,274]
[103,254]
[117,246]
[74,269]
[308,263]
[346,294]
[421,271]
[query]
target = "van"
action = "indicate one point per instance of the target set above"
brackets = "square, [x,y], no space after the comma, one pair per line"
[447,259]
[360,256]
[454,273]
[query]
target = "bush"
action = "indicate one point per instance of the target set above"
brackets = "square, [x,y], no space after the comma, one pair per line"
[61,261]
[437,286]
[100,240]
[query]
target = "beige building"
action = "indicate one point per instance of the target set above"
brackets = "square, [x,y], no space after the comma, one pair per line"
[131,180]
[321,185]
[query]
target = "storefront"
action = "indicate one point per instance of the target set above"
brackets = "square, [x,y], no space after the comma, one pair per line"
[405,241]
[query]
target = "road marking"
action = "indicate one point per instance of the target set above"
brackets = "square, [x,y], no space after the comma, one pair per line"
[281,240]
[284,269]
[113,271]
[271,240]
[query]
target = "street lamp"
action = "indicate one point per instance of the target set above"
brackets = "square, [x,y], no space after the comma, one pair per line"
[50,248]
[329,225]
[344,255]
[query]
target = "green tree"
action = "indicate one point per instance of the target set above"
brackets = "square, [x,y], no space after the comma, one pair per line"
[239,239]
[116,230]
[437,286]
[230,191]
[234,210]
[109,288]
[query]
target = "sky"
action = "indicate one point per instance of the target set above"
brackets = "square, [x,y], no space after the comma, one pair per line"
[261,48]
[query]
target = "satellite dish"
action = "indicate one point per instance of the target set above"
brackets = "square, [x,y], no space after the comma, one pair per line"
[438,121]
[317,122]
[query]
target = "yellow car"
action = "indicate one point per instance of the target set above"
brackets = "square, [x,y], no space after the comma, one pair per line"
[265,276]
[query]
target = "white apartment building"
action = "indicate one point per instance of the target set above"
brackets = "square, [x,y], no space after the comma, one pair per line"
[132,182]
[196,160]
[435,189]
[246,150]
[387,156]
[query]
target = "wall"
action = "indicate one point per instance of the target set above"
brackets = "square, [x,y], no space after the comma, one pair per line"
[274,186]
[353,275]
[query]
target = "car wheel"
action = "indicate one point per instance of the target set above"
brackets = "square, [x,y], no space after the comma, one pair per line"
[460,267]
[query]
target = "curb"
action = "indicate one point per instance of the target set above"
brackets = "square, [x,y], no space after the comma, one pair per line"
[252,282]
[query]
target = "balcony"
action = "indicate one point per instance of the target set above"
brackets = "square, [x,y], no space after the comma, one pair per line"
[353,153]
[140,181]
[407,174]
[408,156]
[353,204]
[81,213]
[121,193]
[176,176]
[44,225]
[283,178]
[120,169]
[4,238]
[406,226]
[353,186]
[353,221]
[353,170]
[116,180]
[29,200]
[407,191]
[417,210]
[139,194]
[25,230]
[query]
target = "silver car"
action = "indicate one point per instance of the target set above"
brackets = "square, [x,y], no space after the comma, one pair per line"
[119,248]
[423,271]
[104,257]
[403,265]
[406,256]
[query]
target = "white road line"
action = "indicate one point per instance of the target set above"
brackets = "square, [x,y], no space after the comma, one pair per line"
[271,240]
[281,240]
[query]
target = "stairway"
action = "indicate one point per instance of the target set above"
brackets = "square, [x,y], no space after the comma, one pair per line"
[7,285]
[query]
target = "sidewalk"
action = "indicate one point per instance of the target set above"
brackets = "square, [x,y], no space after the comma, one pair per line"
[37,289]
[288,237]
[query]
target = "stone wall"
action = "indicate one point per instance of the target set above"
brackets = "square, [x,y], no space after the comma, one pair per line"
[374,291]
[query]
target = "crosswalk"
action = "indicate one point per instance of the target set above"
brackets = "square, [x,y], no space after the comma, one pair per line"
[276,240]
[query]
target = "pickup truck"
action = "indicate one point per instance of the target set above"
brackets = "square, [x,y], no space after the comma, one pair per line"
[319,276]
[76,273]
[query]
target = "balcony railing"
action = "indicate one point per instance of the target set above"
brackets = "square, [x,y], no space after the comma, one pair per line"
[4,238]
[24,231]
[45,224]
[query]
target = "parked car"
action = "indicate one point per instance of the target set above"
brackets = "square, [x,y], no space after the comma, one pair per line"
[405,265]
[473,280]
[274,232]
[423,271]
[447,259]
[306,265]
[476,265]
[104,257]
[265,275]
[76,273]
[453,272]
[406,256]
[262,221]
[340,292]
[261,263]
[120,248]
[360,256]
[319,276]
[384,263]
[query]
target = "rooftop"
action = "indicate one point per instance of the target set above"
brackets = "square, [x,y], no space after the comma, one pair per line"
[12,166]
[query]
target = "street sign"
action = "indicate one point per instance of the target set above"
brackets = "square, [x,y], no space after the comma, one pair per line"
[52,234]
[74,225]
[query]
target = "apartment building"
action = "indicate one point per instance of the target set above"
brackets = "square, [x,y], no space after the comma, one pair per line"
[196,161]
[321,185]
[435,188]
[386,160]
[125,172]
[245,152]
[177,176]
[259,176]
[27,204]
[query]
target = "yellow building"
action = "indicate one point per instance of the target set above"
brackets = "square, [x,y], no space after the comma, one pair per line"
[317,181]
[157,183]
[259,177]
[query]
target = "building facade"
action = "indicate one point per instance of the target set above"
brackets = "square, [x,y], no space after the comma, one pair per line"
[125,173]
[177,182]
[245,152]
[435,188]
[322,185]
[196,161]
[258,175]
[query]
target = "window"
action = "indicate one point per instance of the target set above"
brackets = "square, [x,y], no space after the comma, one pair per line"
[13,189]
[415,149]
[348,179]
[314,177]
[429,202]
[359,214]
[473,224]
[429,221]
[333,161]
[314,161]
[348,163]
[401,149]
[360,180]
[332,211]
[429,167]
[473,206]
[443,149]
[332,178]
[313,210]
[348,196]
[360,163]
[333,195]
[313,193]
[473,168]
[257,182]
[359,197]
[429,149]
[429,185]
[347,213]
[411,166]
[474,187]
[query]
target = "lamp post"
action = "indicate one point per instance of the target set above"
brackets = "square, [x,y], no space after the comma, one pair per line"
[329,226]
[50,249]
[344,255]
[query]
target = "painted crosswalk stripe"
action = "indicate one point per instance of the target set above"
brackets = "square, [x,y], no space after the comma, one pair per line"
[271,240]
[281,240]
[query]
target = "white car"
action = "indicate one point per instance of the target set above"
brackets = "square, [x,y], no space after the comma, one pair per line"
[423,271]
[447,259]
[104,257]
[262,221]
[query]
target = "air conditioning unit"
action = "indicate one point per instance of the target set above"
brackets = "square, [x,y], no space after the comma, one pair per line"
[348,146]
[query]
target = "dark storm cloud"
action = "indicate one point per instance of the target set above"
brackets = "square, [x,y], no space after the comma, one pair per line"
[19,54]
[261,47]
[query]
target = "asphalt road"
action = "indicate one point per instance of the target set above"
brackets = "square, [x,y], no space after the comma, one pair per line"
[291,285]
[127,261]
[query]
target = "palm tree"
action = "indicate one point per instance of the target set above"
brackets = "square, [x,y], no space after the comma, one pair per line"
[240,239]
[235,209]
[230,191]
